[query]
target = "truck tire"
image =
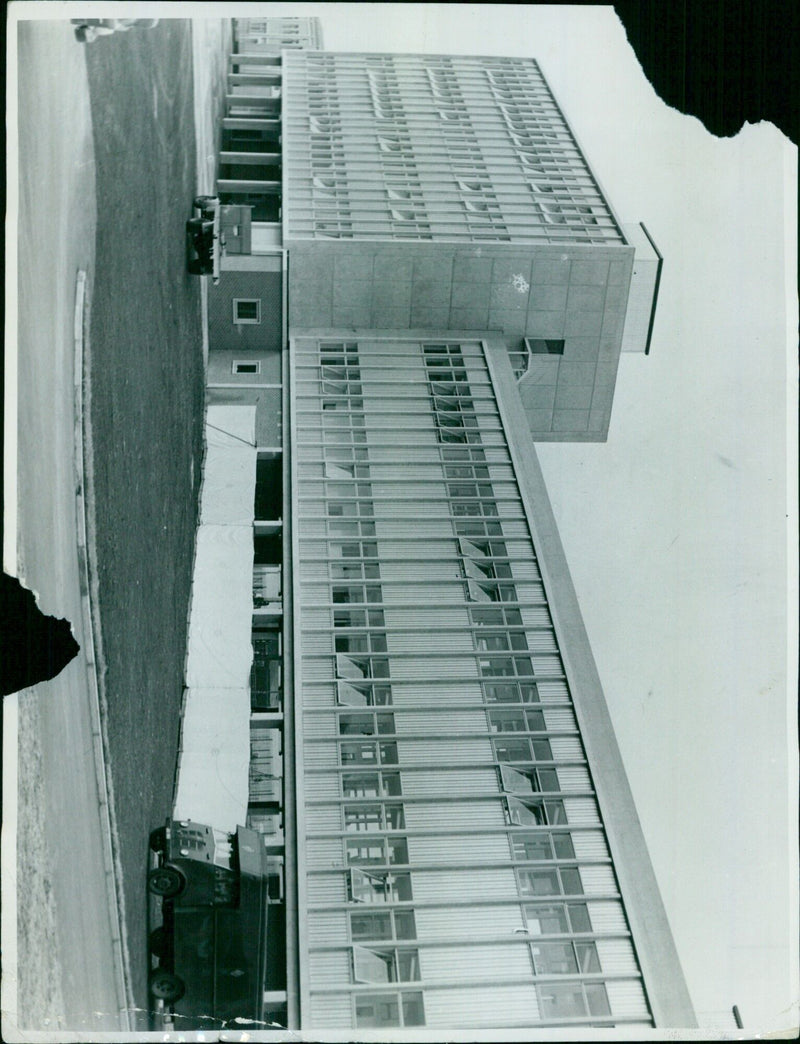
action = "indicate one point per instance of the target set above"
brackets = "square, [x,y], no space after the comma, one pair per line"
[166,986]
[165,881]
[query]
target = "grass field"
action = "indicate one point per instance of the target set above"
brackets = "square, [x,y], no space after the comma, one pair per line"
[146,377]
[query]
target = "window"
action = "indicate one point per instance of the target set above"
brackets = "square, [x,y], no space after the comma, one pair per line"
[358,818]
[246,311]
[386,1009]
[552,881]
[246,367]
[377,851]
[565,958]
[380,925]
[528,780]
[387,965]
[532,847]
[544,346]
[371,784]
[535,811]
[365,724]
[368,753]
[557,918]
[379,887]
[566,1000]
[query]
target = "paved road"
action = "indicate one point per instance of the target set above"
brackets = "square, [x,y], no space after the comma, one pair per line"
[106,130]
[67,964]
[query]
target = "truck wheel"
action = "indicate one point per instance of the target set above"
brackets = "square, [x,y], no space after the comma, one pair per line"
[165,881]
[166,986]
[158,839]
[158,943]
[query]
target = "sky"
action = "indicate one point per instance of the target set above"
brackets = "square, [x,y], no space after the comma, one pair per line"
[676,528]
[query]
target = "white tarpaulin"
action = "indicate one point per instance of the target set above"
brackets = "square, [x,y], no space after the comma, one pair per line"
[213,762]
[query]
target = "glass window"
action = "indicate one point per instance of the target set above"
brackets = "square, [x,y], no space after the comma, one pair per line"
[546,920]
[597,998]
[246,311]
[413,1009]
[554,958]
[374,965]
[371,925]
[561,1000]
[376,1010]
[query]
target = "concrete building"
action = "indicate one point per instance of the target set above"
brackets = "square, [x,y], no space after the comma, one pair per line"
[430,280]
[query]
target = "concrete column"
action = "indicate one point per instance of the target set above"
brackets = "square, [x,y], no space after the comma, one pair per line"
[269,77]
[253,58]
[251,123]
[251,158]
[267,188]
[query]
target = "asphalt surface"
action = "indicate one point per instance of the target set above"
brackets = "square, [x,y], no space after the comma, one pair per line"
[147,381]
[66,965]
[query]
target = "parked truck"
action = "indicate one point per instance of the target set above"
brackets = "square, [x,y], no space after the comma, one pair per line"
[220,899]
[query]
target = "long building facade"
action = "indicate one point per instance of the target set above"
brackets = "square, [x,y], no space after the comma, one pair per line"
[423,277]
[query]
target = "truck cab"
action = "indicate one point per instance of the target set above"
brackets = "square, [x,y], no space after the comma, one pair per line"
[220,898]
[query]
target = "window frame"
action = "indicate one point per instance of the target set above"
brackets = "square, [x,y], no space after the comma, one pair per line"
[246,321]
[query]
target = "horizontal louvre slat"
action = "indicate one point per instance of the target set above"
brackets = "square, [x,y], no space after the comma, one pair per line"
[398,619]
[472,921]
[626,998]
[468,816]
[330,1012]
[489,1007]
[607,916]
[442,722]
[320,755]
[566,748]
[446,569]
[474,962]
[617,956]
[582,811]
[324,853]
[464,692]
[468,885]
[321,820]
[435,667]
[320,696]
[324,889]
[574,777]
[316,643]
[321,787]
[453,850]
[450,781]
[328,928]
[319,726]
[330,968]
[420,643]
[598,880]
[444,751]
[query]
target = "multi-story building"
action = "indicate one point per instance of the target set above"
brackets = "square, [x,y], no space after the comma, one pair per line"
[422,277]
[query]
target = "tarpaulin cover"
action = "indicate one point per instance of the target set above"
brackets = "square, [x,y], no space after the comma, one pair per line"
[214,755]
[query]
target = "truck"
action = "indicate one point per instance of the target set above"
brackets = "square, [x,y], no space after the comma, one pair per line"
[204,239]
[215,957]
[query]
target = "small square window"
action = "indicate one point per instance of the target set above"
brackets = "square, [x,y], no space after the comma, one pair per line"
[246,367]
[544,346]
[246,310]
